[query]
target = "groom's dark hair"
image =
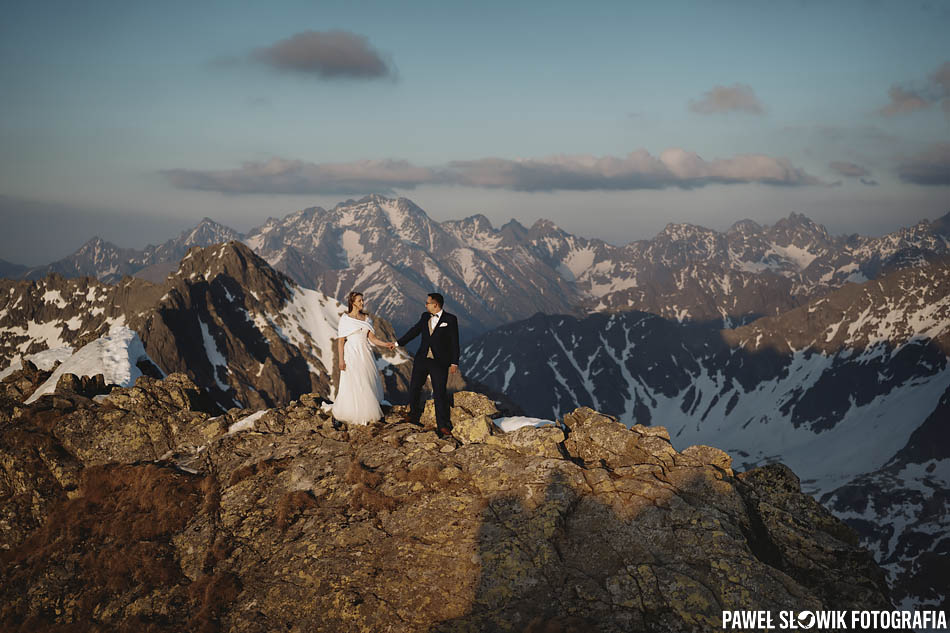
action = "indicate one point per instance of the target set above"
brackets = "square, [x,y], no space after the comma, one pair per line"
[435,296]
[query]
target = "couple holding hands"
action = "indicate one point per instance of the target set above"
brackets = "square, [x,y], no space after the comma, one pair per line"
[360,390]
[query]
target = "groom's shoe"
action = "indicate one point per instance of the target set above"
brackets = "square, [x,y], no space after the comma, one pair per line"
[408,419]
[444,433]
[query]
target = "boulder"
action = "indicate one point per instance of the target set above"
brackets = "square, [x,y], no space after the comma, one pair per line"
[472,430]
[599,439]
[542,441]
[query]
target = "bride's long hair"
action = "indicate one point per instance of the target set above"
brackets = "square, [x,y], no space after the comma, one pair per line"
[350,298]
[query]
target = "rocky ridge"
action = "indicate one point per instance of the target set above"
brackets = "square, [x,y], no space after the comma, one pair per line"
[163,518]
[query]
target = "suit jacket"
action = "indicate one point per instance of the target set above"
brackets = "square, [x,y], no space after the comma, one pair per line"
[444,341]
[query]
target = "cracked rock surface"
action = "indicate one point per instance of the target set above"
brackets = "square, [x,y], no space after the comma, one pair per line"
[140,512]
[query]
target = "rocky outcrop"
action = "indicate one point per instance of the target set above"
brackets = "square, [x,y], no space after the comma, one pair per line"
[21,384]
[159,517]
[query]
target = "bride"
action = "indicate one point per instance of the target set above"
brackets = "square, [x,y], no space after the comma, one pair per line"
[357,399]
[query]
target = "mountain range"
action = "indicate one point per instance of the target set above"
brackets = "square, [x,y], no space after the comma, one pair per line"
[393,252]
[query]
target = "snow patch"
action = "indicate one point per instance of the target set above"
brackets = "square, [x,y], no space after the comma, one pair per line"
[577,262]
[312,320]
[246,424]
[351,244]
[519,421]
[115,355]
[214,355]
[801,257]
[54,297]
[44,360]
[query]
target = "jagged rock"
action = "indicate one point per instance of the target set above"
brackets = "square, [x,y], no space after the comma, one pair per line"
[88,386]
[710,455]
[600,439]
[541,441]
[36,472]
[778,510]
[472,430]
[69,382]
[144,421]
[299,526]
[21,384]
[464,405]
[470,404]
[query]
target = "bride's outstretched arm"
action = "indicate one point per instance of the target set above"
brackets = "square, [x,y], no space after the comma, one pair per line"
[376,341]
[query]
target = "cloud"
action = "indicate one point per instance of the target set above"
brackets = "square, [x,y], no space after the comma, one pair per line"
[282,176]
[868,181]
[903,101]
[930,167]
[738,98]
[941,80]
[638,170]
[850,170]
[936,90]
[326,54]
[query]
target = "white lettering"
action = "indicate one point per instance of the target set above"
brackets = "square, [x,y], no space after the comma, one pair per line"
[727,618]
[747,620]
[903,620]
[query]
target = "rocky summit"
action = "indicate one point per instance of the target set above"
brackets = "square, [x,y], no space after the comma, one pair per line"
[139,510]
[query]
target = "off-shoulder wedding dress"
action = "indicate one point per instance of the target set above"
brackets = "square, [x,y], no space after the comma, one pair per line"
[357,399]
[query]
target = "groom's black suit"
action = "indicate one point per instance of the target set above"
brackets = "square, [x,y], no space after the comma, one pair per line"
[443,343]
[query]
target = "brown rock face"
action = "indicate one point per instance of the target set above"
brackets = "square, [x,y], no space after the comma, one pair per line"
[296,525]
[21,384]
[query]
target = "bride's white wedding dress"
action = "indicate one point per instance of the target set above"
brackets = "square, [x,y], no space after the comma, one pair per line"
[357,399]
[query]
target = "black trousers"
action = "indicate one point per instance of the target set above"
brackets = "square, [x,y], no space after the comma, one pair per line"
[429,367]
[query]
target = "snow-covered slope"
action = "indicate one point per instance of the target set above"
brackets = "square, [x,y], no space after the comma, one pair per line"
[45,360]
[117,356]
[55,312]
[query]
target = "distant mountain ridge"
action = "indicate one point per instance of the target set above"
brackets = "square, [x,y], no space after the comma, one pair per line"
[392,251]
[109,263]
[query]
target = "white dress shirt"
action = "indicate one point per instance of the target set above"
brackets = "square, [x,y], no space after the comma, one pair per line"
[434,319]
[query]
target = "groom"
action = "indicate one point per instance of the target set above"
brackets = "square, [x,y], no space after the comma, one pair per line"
[437,356]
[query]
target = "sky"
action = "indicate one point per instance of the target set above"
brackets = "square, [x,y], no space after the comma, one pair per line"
[134,120]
